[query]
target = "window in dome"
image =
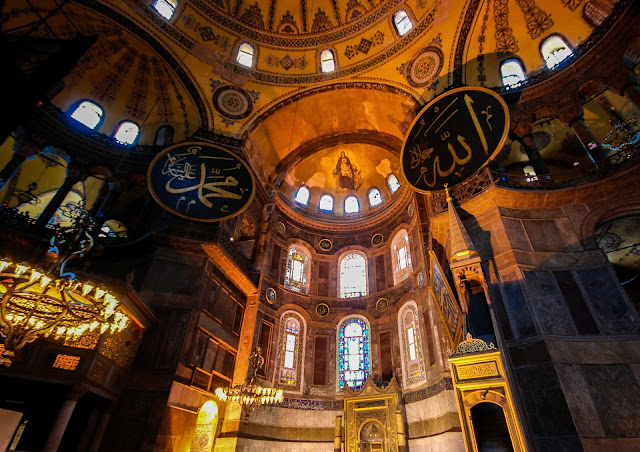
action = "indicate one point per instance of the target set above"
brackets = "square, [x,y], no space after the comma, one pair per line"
[327,62]
[353,275]
[375,198]
[291,348]
[245,55]
[353,353]
[326,203]
[402,22]
[401,257]
[164,136]
[166,8]
[297,269]
[302,195]
[88,113]
[392,182]
[351,205]
[555,50]
[127,133]
[512,73]
[411,345]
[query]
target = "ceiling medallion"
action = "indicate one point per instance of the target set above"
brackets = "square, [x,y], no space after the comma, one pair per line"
[425,69]
[410,210]
[271,295]
[377,239]
[281,228]
[325,244]
[232,103]
[420,279]
[322,309]
[382,304]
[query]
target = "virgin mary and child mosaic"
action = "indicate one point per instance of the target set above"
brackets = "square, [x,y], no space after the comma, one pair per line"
[346,175]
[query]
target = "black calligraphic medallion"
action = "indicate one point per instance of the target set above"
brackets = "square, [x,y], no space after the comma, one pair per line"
[454,137]
[200,181]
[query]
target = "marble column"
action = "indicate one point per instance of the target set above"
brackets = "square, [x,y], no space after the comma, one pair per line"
[116,189]
[632,92]
[22,150]
[74,175]
[589,142]
[64,415]
[529,146]
[100,430]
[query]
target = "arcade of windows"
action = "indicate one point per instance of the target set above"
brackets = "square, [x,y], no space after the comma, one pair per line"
[351,202]
[353,350]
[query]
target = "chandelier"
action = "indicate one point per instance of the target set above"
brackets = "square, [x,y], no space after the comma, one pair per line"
[250,395]
[38,303]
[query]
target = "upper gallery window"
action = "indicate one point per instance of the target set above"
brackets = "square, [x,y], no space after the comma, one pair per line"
[353,275]
[401,257]
[291,346]
[327,61]
[164,136]
[297,269]
[353,353]
[351,205]
[166,8]
[245,55]
[512,72]
[555,50]
[88,113]
[127,132]
[375,198]
[402,22]
[326,203]
[302,195]
[411,345]
[392,182]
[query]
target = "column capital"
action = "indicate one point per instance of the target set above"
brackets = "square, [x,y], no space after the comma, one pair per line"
[26,148]
[569,115]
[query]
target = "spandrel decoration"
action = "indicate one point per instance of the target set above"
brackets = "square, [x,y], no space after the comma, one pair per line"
[453,137]
[201,182]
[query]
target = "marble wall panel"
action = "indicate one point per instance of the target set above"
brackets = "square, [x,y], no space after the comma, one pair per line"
[547,303]
[516,306]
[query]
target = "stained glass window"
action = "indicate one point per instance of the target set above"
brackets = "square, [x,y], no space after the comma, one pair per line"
[392,182]
[297,266]
[88,113]
[374,197]
[353,275]
[353,353]
[302,195]
[554,51]
[326,203]
[412,357]
[351,205]
[401,257]
[290,358]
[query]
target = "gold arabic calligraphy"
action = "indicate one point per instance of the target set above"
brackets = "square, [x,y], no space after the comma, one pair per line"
[459,156]
[180,169]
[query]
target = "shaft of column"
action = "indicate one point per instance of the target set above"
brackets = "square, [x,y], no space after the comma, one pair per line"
[632,93]
[56,201]
[536,160]
[589,142]
[60,426]
[101,429]
[10,168]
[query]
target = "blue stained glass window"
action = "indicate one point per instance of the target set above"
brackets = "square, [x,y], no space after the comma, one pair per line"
[296,277]
[353,353]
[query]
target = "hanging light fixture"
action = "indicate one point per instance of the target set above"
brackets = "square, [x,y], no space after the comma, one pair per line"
[37,303]
[250,395]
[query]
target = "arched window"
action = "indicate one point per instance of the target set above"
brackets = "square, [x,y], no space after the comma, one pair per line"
[326,203]
[206,423]
[302,195]
[530,173]
[291,348]
[354,365]
[166,8]
[401,257]
[413,371]
[375,198]
[327,61]
[512,73]
[392,182]
[245,55]
[164,136]
[353,275]
[555,50]
[402,22]
[126,133]
[351,205]
[297,269]
[88,113]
